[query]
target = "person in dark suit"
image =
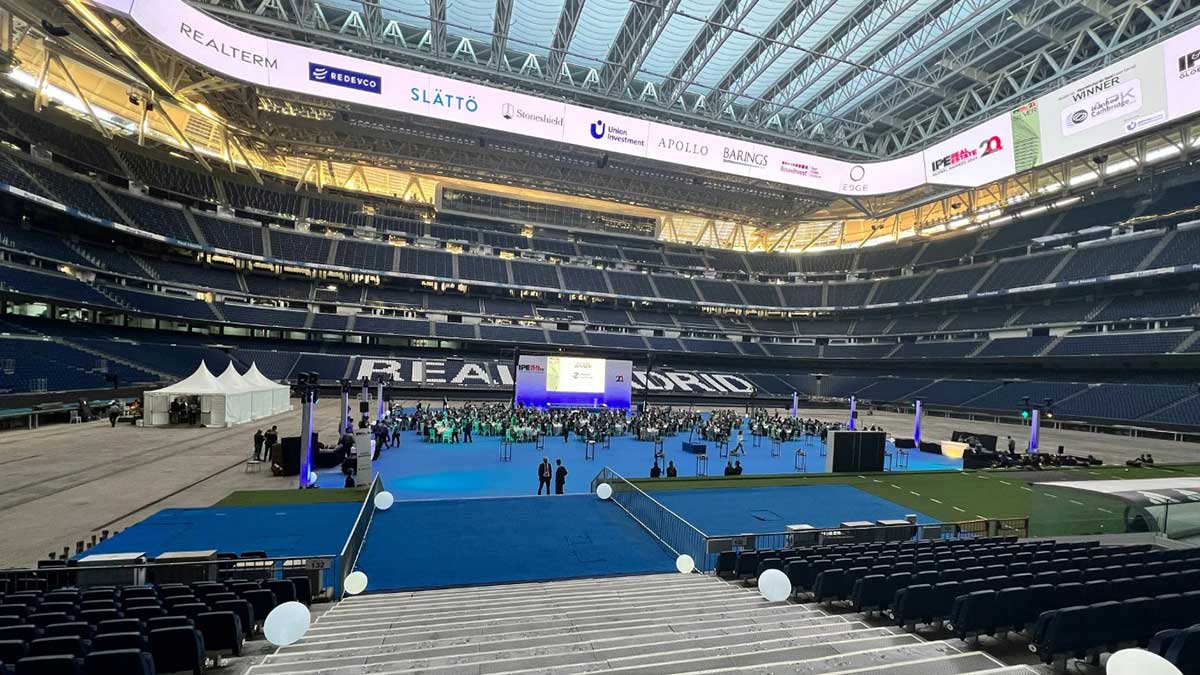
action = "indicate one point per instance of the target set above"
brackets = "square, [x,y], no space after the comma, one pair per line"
[560,477]
[544,473]
[737,468]
[271,437]
[258,444]
[655,471]
[729,469]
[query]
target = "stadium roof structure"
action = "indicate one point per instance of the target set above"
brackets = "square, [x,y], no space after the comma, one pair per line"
[856,79]
[850,80]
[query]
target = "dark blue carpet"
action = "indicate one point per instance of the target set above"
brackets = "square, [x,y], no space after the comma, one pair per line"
[422,470]
[307,529]
[771,509]
[456,542]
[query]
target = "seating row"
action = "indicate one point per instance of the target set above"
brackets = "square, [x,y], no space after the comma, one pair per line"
[730,562]
[1102,627]
[177,645]
[1180,646]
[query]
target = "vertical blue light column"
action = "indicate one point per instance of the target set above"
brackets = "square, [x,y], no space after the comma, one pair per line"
[306,430]
[853,409]
[1034,428]
[917,425]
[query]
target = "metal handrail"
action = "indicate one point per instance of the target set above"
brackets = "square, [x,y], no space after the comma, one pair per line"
[668,527]
[596,483]
[150,564]
[72,574]
[358,534]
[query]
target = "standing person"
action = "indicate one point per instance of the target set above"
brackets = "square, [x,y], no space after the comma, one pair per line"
[1012,446]
[258,444]
[671,470]
[395,433]
[544,473]
[560,477]
[467,424]
[114,411]
[271,438]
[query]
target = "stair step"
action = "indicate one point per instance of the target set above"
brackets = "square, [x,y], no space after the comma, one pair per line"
[884,655]
[389,642]
[578,654]
[667,624]
[646,618]
[523,597]
[522,589]
[512,611]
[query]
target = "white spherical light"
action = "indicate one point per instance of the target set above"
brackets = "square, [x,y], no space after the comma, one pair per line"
[287,623]
[604,491]
[312,477]
[774,586]
[685,564]
[355,583]
[1139,662]
[384,501]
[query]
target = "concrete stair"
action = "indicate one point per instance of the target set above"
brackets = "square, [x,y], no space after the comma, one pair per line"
[651,625]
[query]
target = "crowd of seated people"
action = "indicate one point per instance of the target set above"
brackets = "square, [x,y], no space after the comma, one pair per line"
[976,456]
[452,424]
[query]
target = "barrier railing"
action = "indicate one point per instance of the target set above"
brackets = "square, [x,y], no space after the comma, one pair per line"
[967,529]
[662,523]
[358,534]
[320,569]
[682,537]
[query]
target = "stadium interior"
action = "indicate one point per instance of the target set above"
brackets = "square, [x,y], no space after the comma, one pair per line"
[855,337]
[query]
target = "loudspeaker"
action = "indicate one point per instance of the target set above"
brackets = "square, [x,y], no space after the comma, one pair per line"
[855,451]
[364,406]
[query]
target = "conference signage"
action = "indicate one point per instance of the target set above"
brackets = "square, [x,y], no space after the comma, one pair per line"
[497,374]
[1120,100]
[978,156]
[1125,98]
[1181,68]
[344,78]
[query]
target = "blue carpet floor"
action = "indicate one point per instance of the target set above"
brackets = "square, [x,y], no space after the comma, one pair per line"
[308,529]
[424,544]
[422,470]
[771,509]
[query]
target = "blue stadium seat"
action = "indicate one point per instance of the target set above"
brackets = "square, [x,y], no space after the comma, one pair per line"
[124,661]
[49,665]
[177,649]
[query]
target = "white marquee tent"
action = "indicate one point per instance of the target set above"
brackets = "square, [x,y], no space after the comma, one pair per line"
[281,394]
[239,397]
[231,398]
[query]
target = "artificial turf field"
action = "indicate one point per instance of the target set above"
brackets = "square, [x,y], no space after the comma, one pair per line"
[281,497]
[945,495]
